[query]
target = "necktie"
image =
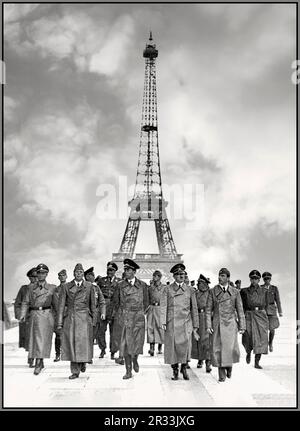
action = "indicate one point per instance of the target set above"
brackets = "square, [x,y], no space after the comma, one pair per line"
[78,285]
[224,290]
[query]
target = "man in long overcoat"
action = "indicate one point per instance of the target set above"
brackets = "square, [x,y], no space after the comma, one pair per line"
[24,326]
[255,302]
[274,306]
[40,302]
[131,301]
[155,333]
[224,318]
[62,276]
[201,348]
[77,327]
[107,286]
[179,319]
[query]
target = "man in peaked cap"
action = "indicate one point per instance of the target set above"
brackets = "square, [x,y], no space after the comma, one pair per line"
[62,276]
[179,321]
[155,333]
[200,347]
[131,300]
[24,326]
[41,302]
[223,306]
[274,306]
[77,336]
[238,284]
[107,287]
[255,302]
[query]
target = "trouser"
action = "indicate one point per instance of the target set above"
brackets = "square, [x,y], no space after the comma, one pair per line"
[101,334]
[76,367]
[57,344]
[175,366]
[271,336]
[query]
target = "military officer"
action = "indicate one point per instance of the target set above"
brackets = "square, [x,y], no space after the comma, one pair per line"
[131,300]
[200,348]
[62,276]
[107,286]
[155,333]
[89,275]
[77,327]
[41,302]
[255,302]
[24,326]
[179,318]
[224,318]
[274,306]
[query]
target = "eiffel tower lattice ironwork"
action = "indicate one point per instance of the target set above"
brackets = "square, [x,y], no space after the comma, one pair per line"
[148,203]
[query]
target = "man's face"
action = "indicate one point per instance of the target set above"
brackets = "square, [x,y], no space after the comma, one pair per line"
[41,275]
[179,277]
[223,279]
[156,278]
[129,272]
[78,274]
[62,278]
[202,285]
[267,280]
[110,272]
[33,278]
[254,281]
[90,277]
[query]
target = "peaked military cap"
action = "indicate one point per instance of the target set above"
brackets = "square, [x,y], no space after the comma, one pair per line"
[112,265]
[31,272]
[130,263]
[157,272]
[266,274]
[176,268]
[42,268]
[224,271]
[254,273]
[62,272]
[78,266]
[203,278]
[88,271]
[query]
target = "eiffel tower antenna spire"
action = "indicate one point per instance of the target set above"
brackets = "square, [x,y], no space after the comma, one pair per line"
[148,203]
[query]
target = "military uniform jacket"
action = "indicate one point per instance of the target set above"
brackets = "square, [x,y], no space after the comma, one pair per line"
[41,322]
[180,315]
[108,287]
[131,303]
[200,348]
[23,326]
[155,333]
[273,300]
[221,311]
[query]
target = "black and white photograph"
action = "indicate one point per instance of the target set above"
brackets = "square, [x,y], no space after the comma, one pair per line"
[149,192]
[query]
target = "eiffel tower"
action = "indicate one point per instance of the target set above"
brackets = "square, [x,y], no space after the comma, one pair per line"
[148,203]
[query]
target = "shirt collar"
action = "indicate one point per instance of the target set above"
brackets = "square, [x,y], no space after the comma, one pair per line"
[78,282]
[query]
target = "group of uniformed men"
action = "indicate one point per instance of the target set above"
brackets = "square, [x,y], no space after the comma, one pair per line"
[192,322]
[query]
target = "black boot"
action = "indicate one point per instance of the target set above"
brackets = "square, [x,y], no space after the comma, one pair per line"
[112,356]
[128,366]
[248,357]
[120,361]
[188,365]
[38,367]
[228,372]
[184,372]
[135,363]
[175,371]
[31,362]
[42,363]
[271,338]
[222,374]
[207,366]
[57,358]
[257,359]
[159,349]
[151,351]
[102,354]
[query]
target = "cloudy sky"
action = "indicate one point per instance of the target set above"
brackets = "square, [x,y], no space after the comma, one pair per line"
[226,107]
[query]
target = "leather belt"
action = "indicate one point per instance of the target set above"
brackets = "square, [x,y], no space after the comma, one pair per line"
[155,303]
[39,308]
[256,308]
